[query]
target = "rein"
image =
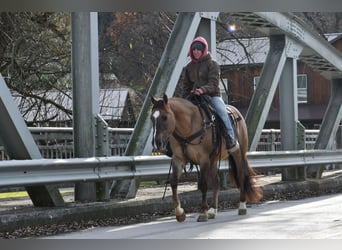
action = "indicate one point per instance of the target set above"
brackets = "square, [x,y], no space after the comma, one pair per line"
[190,138]
[205,125]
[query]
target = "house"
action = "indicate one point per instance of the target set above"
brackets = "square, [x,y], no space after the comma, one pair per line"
[241,73]
[54,108]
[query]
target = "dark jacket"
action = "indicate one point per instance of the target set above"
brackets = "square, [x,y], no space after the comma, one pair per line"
[204,73]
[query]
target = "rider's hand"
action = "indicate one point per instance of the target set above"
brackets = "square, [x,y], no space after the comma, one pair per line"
[198,91]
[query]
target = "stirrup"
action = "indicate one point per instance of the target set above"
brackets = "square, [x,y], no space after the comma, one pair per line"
[234,147]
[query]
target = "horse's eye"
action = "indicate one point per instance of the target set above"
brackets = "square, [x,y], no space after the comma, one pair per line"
[164,117]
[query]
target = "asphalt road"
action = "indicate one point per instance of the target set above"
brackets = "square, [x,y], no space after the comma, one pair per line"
[311,218]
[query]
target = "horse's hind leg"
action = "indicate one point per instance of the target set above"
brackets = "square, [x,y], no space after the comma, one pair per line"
[242,180]
[239,162]
[242,205]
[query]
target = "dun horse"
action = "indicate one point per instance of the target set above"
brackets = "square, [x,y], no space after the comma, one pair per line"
[179,123]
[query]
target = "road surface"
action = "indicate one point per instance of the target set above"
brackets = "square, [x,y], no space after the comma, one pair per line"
[311,218]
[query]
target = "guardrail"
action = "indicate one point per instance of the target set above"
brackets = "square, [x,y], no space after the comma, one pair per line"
[48,171]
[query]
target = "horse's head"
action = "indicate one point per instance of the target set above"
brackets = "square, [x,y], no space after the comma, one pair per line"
[163,121]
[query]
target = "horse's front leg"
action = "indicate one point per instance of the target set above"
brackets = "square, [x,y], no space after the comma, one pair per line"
[203,185]
[176,173]
[212,212]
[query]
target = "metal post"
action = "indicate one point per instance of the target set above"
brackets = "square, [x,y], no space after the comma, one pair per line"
[85,73]
[289,107]
[102,150]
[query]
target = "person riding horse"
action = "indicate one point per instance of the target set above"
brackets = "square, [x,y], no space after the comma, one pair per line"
[201,77]
[180,125]
[182,131]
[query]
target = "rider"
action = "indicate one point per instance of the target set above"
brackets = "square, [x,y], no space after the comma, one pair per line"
[201,77]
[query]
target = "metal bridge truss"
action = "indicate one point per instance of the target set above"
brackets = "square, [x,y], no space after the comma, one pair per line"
[290,40]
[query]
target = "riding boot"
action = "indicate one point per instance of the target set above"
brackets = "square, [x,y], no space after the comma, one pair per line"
[231,147]
[236,154]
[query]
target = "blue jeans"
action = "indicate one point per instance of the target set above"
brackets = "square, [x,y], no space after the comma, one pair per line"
[220,107]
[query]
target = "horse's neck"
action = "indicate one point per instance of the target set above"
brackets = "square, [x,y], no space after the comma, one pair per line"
[188,117]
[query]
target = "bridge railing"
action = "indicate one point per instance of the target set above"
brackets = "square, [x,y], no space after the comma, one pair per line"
[17,173]
[59,166]
[57,142]
[270,139]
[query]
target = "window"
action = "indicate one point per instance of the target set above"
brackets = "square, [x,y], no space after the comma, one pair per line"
[255,81]
[302,87]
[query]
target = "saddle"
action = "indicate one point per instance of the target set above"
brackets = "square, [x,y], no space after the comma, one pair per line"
[203,102]
[211,119]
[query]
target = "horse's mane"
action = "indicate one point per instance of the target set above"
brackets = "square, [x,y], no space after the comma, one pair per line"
[179,102]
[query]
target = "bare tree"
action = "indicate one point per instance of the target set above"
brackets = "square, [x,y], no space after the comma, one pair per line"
[35,52]
[35,48]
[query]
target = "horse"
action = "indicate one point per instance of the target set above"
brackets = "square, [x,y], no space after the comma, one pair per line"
[180,125]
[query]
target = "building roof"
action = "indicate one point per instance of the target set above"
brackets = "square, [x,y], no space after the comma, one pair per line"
[333,37]
[112,103]
[250,50]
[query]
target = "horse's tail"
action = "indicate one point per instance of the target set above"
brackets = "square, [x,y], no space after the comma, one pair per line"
[253,192]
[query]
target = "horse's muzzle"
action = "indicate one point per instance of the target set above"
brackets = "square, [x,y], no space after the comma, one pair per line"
[161,145]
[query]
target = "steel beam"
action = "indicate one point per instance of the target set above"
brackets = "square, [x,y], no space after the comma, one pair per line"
[288,96]
[85,77]
[316,47]
[262,98]
[288,105]
[19,144]
[332,117]
[289,116]
[330,123]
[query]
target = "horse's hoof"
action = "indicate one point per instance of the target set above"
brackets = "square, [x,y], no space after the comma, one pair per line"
[202,217]
[211,216]
[242,211]
[181,218]
[212,212]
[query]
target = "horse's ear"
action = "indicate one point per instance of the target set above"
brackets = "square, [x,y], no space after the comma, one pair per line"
[165,98]
[153,99]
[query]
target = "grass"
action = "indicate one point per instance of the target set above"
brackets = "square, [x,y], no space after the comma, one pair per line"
[22,194]
[13,194]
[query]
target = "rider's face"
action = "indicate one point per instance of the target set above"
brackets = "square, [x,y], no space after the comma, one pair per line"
[197,53]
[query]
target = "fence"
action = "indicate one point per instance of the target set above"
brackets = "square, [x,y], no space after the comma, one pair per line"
[57,142]
[270,139]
